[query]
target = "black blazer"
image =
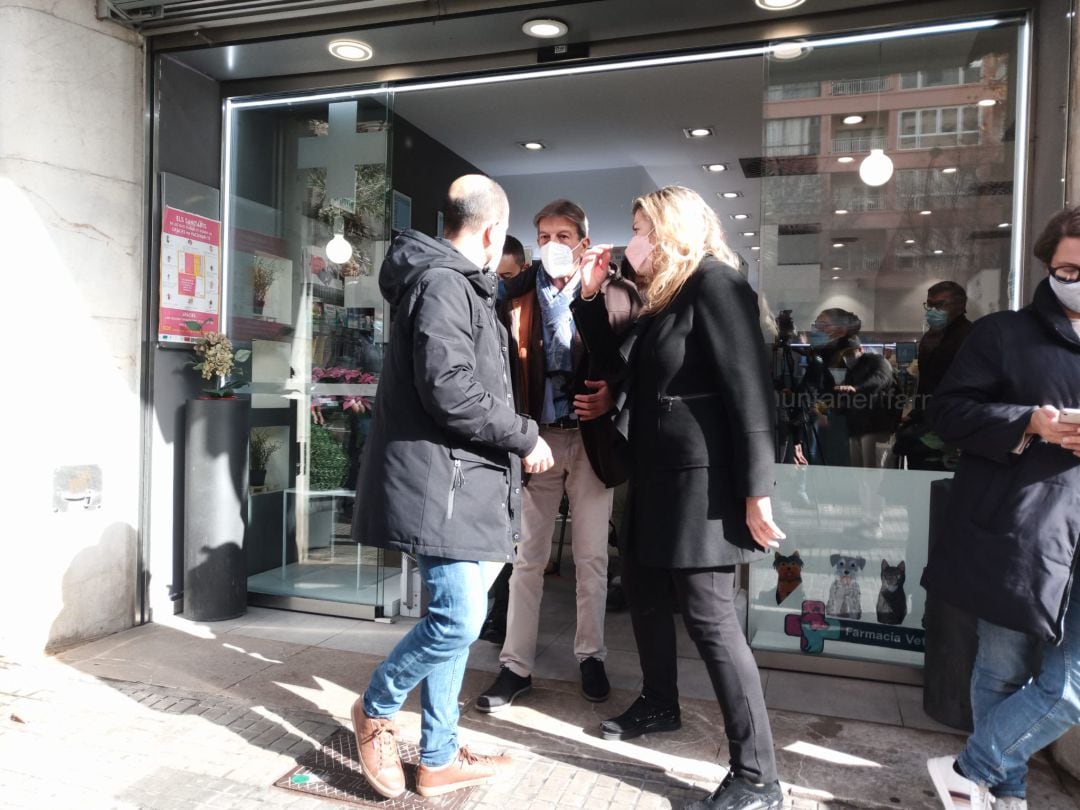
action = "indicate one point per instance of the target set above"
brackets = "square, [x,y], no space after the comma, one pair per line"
[1013,520]
[698,410]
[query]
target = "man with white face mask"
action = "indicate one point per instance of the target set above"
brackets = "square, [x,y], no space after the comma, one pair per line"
[555,383]
[1013,527]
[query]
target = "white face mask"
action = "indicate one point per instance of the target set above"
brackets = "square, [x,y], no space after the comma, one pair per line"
[1067,294]
[558,259]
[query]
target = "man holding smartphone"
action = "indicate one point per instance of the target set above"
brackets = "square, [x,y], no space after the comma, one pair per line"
[1014,526]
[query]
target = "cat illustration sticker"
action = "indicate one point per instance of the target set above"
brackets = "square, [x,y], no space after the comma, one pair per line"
[892,601]
[788,574]
[814,628]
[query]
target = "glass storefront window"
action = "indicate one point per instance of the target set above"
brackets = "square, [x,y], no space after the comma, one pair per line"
[846,273]
[307,205]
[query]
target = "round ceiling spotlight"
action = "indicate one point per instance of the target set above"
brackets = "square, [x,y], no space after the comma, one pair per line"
[351,50]
[545,29]
[853,119]
[789,51]
[532,146]
[778,5]
[845,159]
[986,102]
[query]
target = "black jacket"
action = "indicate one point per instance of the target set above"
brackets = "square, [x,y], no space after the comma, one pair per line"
[871,409]
[440,473]
[1013,520]
[698,410]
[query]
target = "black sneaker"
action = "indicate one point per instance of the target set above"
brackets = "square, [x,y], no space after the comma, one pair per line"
[737,793]
[594,682]
[501,694]
[639,719]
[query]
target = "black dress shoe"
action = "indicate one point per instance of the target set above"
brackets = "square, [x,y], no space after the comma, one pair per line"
[594,681]
[737,793]
[501,694]
[639,719]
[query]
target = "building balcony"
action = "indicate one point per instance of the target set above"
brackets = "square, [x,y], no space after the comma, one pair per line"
[856,87]
[858,143]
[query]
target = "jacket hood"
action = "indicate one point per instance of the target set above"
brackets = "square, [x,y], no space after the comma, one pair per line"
[1046,307]
[413,253]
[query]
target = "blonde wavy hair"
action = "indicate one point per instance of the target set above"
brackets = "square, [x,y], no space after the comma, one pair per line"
[687,230]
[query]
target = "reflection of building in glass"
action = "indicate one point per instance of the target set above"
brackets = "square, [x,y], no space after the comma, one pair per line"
[945,118]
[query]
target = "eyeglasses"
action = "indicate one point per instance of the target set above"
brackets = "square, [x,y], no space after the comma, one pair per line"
[1066,273]
[819,326]
[938,305]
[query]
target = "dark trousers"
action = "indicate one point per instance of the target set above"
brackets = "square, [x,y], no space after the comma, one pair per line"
[706,597]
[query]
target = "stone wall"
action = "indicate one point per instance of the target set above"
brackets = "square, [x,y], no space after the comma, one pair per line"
[72,118]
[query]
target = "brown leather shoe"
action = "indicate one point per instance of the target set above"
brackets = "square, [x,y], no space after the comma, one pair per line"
[465,770]
[376,743]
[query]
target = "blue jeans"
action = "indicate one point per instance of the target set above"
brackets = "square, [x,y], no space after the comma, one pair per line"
[433,654]
[1020,706]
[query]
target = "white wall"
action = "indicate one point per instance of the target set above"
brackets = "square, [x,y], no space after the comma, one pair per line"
[71,192]
[605,195]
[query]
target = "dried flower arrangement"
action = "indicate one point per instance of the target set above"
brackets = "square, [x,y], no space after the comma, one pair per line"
[215,358]
[262,448]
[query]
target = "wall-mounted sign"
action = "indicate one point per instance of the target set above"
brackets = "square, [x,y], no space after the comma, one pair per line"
[190,276]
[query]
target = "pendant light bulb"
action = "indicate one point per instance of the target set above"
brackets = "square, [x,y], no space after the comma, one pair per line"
[338,249]
[876,168]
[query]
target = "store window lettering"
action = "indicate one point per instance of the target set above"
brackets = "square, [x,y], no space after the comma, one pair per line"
[813,628]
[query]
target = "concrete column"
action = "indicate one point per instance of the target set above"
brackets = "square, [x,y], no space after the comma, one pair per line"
[71,248]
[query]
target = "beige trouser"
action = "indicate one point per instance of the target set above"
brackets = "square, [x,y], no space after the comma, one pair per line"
[590,509]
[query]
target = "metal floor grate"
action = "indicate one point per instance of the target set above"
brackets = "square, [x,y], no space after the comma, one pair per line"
[332,771]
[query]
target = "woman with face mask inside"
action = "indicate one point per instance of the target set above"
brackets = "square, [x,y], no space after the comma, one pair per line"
[697,408]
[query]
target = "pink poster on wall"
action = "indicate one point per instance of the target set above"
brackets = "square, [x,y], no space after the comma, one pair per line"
[190,300]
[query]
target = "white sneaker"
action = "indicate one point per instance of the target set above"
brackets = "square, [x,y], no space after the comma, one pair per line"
[956,792]
[1010,803]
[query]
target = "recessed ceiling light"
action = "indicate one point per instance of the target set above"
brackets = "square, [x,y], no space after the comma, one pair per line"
[840,211]
[532,146]
[909,241]
[789,51]
[1004,224]
[837,268]
[714,167]
[949,170]
[845,159]
[545,29]
[749,233]
[697,132]
[938,252]
[836,278]
[986,102]
[778,5]
[837,244]
[853,119]
[755,247]
[730,195]
[351,50]
[740,216]
[925,213]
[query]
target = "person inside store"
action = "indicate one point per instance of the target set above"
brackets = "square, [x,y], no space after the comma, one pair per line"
[551,365]
[696,408]
[867,397]
[820,436]
[947,329]
[511,265]
[445,417]
[1012,526]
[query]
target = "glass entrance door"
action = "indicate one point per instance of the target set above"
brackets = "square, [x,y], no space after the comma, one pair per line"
[307,205]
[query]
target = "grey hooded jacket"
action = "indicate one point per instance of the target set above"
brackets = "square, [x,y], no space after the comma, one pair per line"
[440,473]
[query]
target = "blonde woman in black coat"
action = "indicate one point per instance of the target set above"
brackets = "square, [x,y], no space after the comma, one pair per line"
[697,409]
